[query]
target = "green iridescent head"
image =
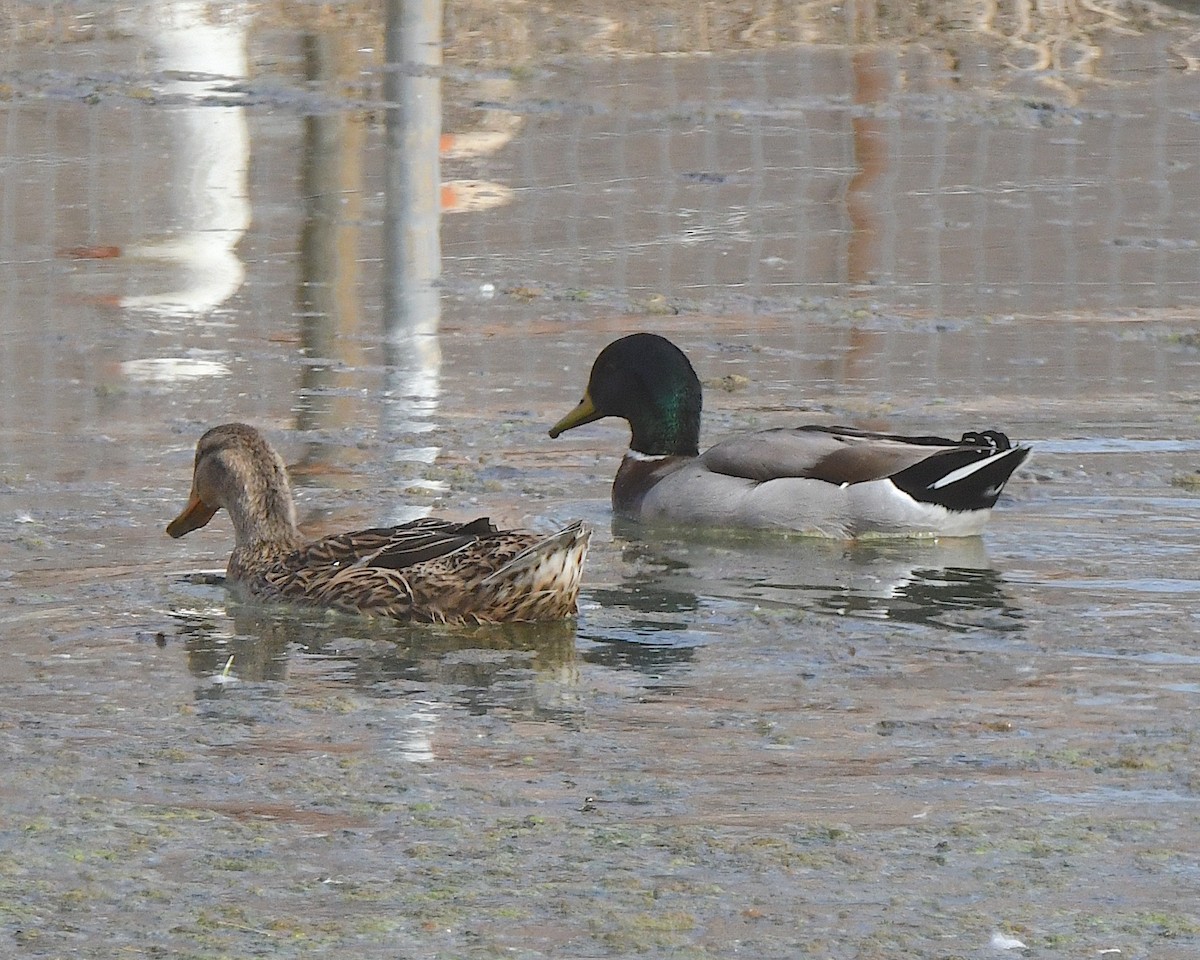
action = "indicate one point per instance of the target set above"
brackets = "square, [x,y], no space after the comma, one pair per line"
[646,380]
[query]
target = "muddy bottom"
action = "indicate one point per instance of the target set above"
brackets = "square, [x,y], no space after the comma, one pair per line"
[744,745]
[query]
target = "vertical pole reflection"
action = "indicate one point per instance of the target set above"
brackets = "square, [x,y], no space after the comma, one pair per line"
[412,241]
[869,137]
[871,79]
[327,298]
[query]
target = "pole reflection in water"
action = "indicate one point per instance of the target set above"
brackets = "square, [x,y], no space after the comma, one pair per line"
[412,229]
[328,299]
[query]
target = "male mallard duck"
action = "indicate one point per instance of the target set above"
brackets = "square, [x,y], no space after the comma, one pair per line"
[431,570]
[821,481]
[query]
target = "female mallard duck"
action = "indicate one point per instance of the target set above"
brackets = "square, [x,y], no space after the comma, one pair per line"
[430,570]
[820,481]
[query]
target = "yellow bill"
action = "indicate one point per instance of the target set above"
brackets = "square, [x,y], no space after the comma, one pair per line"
[584,413]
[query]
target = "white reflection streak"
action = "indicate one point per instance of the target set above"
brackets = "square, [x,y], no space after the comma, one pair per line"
[888,579]
[173,369]
[201,48]
[412,219]
[416,744]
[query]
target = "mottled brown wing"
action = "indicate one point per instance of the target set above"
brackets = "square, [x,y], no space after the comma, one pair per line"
[447,573]
[365,570]
[352,588]
[393,547]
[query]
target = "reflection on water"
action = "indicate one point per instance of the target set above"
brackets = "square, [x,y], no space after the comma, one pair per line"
[519,668]
[329,290]
[412,218]
[672,584]
[200,61]
[933,178]
[960,599]
[328,294]
[645,656]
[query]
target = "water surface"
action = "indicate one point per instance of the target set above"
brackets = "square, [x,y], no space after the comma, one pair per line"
[744,745]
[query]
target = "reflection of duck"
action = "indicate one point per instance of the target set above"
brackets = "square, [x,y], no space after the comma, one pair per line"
[521,667]
[430,570]
[950,584]
[648,621]
[372,652]
[956,598]
[821,481]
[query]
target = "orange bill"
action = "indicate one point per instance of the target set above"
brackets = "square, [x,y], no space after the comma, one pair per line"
[195,515]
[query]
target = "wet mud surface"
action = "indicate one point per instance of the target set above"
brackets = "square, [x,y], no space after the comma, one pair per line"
[744,745]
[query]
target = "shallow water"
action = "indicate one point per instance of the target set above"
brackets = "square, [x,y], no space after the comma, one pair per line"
[746,745]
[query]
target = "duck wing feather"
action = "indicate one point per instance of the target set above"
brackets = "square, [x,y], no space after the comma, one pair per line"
[839,455]
[394,548]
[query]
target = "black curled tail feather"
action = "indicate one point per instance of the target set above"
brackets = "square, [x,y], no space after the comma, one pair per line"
[966,479]
[987,438]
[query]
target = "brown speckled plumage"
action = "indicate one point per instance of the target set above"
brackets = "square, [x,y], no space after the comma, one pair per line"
[428,570]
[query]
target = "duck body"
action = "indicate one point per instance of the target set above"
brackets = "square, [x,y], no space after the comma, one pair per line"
[428,570]
[813,480]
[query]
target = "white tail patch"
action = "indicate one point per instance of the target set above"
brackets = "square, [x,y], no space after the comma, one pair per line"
[573,539]
[963,472]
